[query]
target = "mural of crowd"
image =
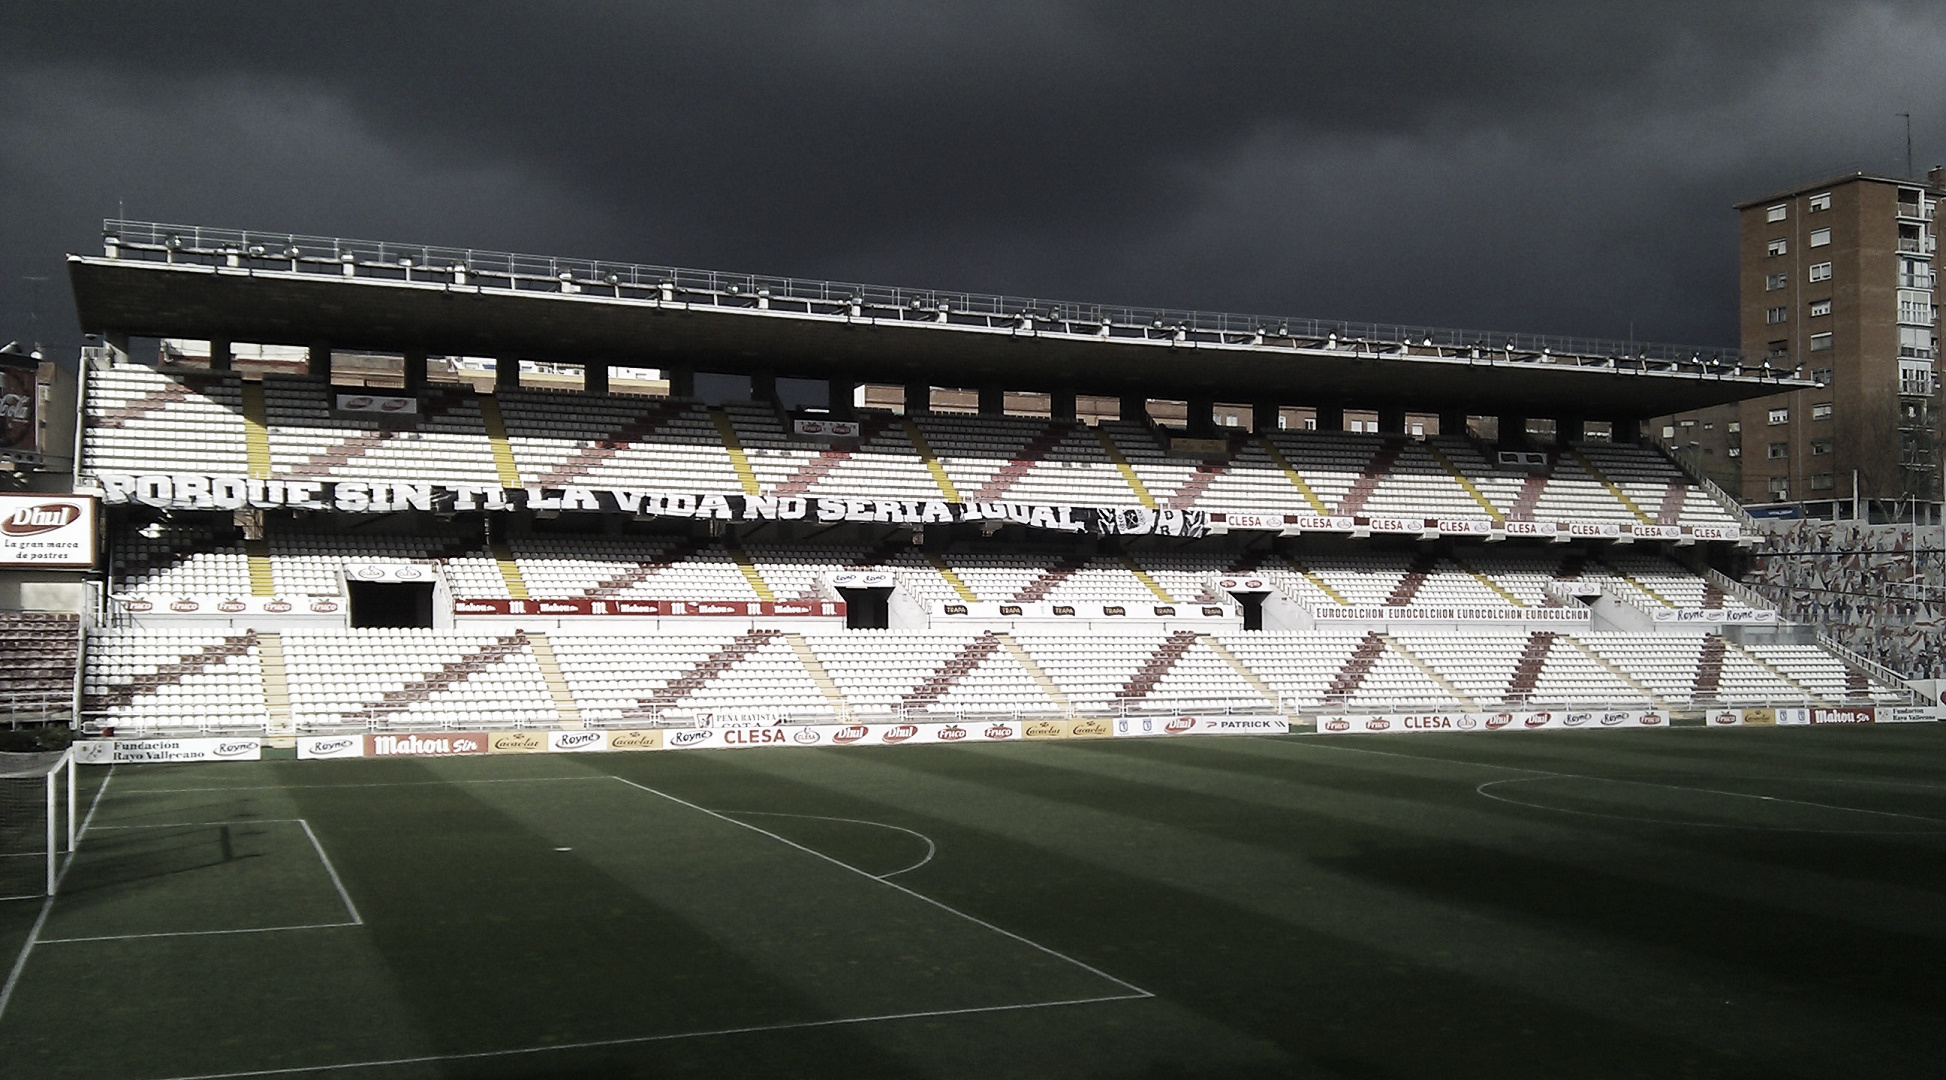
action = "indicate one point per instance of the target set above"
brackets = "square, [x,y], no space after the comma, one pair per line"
[1880,590]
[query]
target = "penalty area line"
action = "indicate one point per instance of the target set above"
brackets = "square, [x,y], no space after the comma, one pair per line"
[636,1040]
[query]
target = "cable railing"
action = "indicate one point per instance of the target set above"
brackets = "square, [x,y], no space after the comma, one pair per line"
[490,270]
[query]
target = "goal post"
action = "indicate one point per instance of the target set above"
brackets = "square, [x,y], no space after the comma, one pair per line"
[31,835]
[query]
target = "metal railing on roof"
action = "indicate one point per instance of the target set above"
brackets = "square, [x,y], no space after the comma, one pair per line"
[157,241]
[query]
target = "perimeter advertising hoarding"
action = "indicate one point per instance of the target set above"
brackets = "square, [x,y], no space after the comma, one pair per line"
[1153,726]
[1555,720]
[47,530]
[132,751]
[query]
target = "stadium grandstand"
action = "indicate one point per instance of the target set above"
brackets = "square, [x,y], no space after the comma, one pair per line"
[350,487]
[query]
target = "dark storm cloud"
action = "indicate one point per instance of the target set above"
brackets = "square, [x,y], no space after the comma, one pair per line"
[1533,166]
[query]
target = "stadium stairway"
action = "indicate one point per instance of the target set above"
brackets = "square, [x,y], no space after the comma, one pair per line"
[557,686]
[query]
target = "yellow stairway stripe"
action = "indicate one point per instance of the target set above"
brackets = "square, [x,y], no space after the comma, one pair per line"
[749,571]
[1646,591]
[1290,473]
[933,465]
[1142,576]
[1582,460]
[959,585]
[1128,471]
[262,582]
[1491,584]
[1033,668]
[557,684]
[496,429]
[1478,495]
[256,431]
[1322,586]
[733,446]
[503,557]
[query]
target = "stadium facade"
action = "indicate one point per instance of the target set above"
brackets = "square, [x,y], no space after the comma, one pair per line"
[353,493]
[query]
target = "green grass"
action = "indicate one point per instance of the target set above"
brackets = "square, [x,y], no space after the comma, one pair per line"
[1757,903]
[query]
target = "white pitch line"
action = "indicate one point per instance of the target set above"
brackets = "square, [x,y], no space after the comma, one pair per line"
[949,909]
[33,935]
[1482,791]
[356,918]
[202,824]
[931,848]
[597,1044]
[198,933]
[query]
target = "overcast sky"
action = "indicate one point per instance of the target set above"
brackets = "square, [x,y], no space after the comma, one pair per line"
[1549,167]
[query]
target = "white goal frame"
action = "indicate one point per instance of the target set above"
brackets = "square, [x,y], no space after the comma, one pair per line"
[50,774]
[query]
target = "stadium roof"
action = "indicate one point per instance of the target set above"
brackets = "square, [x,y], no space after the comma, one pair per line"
[279,288]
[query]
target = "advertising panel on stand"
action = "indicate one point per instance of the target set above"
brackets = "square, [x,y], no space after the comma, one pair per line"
[1541,720]
[47,530]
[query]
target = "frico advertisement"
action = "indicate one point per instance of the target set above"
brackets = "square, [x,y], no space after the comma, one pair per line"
[1557,720]
[47,530]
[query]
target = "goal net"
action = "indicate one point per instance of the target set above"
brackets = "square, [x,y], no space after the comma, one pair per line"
[32,836]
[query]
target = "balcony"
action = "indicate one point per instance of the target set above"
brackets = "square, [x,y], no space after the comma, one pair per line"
[1918,281]
[1916,245]
[1919,211]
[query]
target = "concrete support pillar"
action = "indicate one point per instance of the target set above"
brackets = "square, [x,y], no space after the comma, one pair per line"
[763,387]
[1452,423]
[682,381]
[1625,430]
[1513,431]
[413,370]
[1263,416]
[1060,404]
[993,400]
[594,377]
[219,354]
[838,399]
[1331,417]
[506,372]
[1201,416]
[1391,421]
[918,398]
[1570,429]
[1135,408]
[319,361]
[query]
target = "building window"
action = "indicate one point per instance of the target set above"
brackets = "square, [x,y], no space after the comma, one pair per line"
[1820,202]
[1778,350]
[1915,379]
[1735,451]
[1820,271]
[1821,411]
[1776,247]
[1709,425]
[1821,481]
[1776,213]
[1915,274]
[1820,342]
[1820,307]
[1668,431]
[1820,237]
[1773,316]
[1821,376]
[1733,426]
[1917,343]
[1781,416]
[1780,487]
[1775,281]
[1820,447]
[1915,306]
[1780,450]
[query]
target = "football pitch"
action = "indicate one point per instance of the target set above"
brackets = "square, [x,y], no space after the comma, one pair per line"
[1760,903]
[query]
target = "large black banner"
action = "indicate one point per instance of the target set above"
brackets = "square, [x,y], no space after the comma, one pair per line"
[175,491]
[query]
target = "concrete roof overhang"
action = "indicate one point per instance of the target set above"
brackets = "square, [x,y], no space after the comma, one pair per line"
[735,335]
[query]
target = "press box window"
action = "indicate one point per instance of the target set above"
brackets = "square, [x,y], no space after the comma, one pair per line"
[1820,202]
[1776,247]
[1820,237]
[1820,271]
[1820,307]
[1820,342]
[1781,416]
[1776,213]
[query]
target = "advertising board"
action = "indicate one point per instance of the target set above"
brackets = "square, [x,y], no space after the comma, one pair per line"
[430,744]
[47,530]
[1165,726]
[132,751]
[321,747]
[1541,720]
